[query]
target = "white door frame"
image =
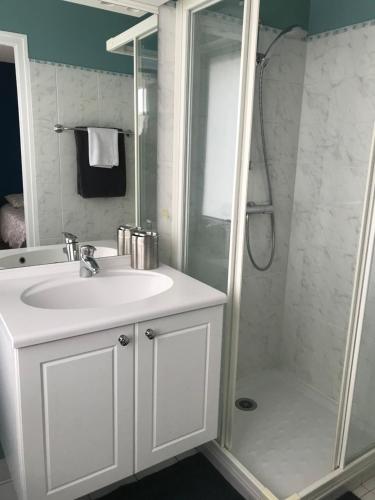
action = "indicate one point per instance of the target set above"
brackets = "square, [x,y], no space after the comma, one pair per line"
[21,59]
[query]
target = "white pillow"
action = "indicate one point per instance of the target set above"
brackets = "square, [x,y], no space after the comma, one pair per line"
[16,200]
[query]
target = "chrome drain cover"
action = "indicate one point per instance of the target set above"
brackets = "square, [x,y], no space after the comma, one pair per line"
[246,404]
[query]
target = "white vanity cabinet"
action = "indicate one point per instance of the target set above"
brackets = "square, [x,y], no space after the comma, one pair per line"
[95,408]
[77,414]
[178,369]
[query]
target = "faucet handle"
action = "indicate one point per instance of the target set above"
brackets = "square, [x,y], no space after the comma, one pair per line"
[87,250]
[70,238]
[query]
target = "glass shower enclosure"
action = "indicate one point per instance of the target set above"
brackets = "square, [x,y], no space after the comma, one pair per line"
[146,88]
[141,43]
[214,86]
[298,371]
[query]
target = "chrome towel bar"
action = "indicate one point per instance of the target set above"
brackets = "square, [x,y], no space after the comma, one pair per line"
[58,128]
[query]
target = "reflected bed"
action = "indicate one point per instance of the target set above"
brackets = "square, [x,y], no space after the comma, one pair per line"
[12,226]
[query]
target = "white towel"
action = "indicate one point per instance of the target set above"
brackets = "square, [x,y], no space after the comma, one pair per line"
[103,147]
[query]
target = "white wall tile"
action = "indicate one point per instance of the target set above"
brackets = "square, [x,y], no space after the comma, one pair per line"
[318,133]
[333,152]
[73,97]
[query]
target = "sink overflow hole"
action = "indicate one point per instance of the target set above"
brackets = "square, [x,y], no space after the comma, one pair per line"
[246,404]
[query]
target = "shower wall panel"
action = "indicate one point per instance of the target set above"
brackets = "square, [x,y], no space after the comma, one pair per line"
[337,120]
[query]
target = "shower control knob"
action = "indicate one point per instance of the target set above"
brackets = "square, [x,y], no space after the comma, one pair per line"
[150,334]
[124,340]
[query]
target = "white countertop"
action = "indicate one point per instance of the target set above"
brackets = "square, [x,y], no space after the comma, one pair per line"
[27,325]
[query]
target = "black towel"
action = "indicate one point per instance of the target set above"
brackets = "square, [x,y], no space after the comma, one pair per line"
[96,182]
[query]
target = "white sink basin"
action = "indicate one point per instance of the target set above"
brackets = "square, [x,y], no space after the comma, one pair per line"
[106,289]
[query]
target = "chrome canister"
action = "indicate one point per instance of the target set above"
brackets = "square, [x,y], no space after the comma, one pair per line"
[124,234]
[144,249]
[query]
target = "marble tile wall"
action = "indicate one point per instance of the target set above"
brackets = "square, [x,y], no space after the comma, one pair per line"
[263,292]
[337,120]
[74,96]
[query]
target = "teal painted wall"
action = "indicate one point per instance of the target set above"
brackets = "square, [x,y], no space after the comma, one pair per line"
[283,13]
[332,14]
[316,16]
[67,33]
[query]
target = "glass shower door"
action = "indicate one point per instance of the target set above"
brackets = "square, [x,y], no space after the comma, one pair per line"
[361,436]
[147,116]
[214,89]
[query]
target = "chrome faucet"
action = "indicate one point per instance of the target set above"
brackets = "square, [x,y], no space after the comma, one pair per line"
[88,265]
[71,246]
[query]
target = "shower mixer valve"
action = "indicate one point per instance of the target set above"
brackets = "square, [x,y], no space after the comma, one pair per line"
[259,208]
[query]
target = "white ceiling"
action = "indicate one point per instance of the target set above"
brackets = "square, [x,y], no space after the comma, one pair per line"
[6,54]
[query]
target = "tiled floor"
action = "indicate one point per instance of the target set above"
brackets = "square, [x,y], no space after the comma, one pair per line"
[7,491]
[190,479]
[366,491]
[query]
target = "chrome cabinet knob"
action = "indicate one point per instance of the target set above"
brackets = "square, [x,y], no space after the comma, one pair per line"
[124,340]
[150,334]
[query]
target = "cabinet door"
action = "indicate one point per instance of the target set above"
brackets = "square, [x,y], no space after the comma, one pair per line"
[77,402]
[177,384]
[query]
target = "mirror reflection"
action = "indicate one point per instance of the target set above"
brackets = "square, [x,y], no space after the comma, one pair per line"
[147,93]
[74,149]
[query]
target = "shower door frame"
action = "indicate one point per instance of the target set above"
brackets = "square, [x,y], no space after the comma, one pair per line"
[360,291]
[219,451]
[185,8]
[183,99]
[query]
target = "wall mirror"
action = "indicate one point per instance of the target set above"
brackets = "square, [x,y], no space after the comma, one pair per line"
[54,89]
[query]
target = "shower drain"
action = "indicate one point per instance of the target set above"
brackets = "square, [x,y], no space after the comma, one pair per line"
[246,404]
